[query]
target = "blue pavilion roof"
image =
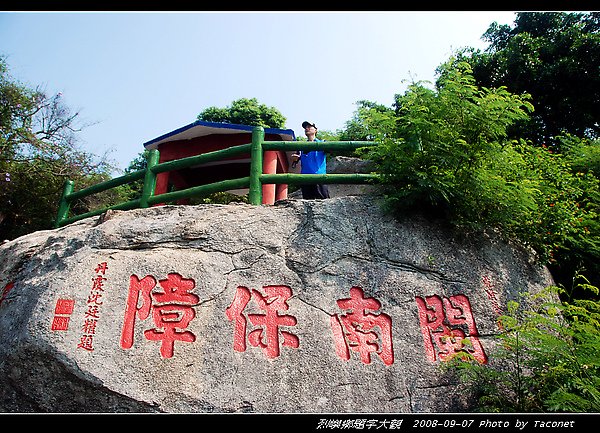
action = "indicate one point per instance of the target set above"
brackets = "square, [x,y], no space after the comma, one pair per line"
[202,128]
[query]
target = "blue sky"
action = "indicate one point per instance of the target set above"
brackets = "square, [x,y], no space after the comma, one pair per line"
[135,76]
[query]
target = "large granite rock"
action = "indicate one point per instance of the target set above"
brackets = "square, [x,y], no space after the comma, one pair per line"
[306,306]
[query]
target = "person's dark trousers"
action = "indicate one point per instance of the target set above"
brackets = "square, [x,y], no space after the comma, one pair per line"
[315,192]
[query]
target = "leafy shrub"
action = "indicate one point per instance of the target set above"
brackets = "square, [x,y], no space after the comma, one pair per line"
[447,151]
[547,358]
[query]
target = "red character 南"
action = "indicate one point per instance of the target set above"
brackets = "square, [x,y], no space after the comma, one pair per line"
[171,309]
[267,332]
[360,331]
[448,327]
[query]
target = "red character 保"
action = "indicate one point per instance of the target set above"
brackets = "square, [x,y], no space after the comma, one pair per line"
[266,333]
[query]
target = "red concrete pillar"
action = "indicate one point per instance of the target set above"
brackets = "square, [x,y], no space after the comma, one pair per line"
[269,167]
[162,185]
[281,192]
[162,179]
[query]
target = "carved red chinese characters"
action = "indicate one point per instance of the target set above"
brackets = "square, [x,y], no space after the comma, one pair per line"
[92,314]
[259,318]
[448,327]
[488,286]
[62,312]
[4,292]
[266,333]
[360,331]
[171,309]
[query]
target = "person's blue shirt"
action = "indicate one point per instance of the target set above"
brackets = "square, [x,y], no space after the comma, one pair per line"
[313,162]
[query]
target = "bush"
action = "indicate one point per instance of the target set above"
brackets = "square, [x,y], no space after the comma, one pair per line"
[448,152]
[547,357]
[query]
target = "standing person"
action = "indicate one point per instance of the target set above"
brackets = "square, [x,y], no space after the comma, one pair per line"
[313,162]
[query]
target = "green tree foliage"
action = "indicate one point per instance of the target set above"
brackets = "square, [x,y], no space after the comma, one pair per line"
[547,357]
[576,198]
[38,152]
[323,134]
[553,56]
[359,128]
[245,112]
[447,151]
[133,190]
[435,143]
[583,154]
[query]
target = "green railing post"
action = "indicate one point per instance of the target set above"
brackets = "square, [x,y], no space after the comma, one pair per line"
[254,181]
[64,204]
[256,165]
[149,178]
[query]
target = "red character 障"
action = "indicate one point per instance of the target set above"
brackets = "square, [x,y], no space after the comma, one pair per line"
[171,309]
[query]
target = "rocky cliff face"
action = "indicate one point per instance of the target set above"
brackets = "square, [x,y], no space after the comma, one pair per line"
[306,306]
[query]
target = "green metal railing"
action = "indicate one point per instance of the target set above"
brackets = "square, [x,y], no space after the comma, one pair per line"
[253,182]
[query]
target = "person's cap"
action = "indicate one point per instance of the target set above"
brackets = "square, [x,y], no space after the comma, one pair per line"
[307,123]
